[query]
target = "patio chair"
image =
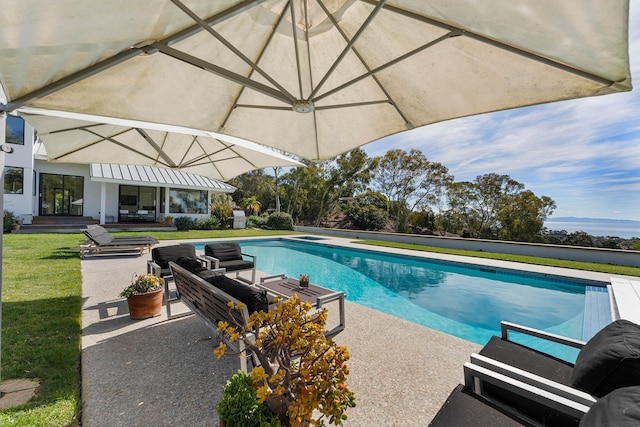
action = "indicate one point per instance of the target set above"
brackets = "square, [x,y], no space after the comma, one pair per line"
[608,361]
[230,257]
[468,404]
[185,256]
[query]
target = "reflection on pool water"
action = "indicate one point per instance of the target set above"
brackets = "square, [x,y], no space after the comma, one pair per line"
[462,300]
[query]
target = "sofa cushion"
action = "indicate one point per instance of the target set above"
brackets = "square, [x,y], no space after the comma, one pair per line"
[620,408]
[223,251]
[255,299]
[164,254]
[610,360]
[190,264]
[235,265]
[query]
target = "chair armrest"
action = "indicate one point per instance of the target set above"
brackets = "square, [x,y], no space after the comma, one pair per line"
[505,327]
[534,380]
[253,257]
[475,376]
[210,262]
[153,268]
[275,276]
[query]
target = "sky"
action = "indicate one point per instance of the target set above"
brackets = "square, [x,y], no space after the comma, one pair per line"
[584,153]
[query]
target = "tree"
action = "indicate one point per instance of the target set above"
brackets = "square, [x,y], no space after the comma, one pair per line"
[252,204]
[256,184]
[411,181]
[522,217]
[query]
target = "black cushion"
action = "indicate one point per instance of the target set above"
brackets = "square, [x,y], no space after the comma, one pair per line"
[223,251]
[255,299]
[164,254]
[190,264]
[610,360]
[620,408]
[528,359]
[235,265]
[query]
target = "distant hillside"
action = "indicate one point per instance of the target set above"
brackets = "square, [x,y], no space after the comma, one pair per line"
[600,220]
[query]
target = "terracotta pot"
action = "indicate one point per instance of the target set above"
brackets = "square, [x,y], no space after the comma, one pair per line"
[143,306]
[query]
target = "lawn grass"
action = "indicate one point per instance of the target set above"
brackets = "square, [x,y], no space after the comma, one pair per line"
[41,319]
[42,304]
[549,262]
[41,326]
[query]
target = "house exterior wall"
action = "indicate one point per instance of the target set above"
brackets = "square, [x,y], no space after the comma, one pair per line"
[26,205]
[22,157]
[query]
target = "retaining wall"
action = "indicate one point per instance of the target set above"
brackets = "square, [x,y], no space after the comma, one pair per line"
[572,253]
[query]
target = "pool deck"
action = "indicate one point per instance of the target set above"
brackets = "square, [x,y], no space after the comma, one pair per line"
[159,372]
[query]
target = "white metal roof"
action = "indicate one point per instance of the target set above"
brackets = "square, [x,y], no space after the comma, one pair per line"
[155,177]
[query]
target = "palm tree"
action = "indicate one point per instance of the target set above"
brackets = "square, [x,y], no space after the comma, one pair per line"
[252,204]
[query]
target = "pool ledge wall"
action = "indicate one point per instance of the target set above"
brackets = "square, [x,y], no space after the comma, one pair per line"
[571,253]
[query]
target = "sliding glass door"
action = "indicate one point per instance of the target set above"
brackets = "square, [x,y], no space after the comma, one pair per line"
[61,194]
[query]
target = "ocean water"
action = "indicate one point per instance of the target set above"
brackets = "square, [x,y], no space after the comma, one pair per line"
[626,230]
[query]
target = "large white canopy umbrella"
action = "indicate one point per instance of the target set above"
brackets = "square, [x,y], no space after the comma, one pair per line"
[72,138]
[311,77]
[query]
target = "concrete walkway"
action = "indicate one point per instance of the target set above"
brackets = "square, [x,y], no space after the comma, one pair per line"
[156,372]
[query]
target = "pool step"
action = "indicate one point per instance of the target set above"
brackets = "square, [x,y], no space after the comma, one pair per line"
[597,311]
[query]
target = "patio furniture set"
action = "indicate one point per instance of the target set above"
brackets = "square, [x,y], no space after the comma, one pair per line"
[202,285]
[506,383]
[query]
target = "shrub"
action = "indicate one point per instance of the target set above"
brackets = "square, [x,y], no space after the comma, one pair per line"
[240,407]
[302,374]
[222,207]
[142,284]
[254,221]
[206,223]
[280,221]
[9,221]
[368,217]
[183,223]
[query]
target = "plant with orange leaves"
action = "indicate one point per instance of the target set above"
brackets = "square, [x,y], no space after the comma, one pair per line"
[301,374]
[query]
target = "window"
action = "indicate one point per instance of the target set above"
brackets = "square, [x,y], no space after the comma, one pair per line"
[187,201]
[15,130]
[13,179]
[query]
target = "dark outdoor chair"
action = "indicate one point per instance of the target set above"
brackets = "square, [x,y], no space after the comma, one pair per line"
[185,256]
[468,404]
[610,360]
[230,257]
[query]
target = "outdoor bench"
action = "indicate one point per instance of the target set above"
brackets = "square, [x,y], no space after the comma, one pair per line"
[210,303]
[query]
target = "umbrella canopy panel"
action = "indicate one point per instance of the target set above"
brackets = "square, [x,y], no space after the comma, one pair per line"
[311,77]
[76,141]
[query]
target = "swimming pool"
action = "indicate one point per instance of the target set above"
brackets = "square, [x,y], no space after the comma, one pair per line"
[459,299]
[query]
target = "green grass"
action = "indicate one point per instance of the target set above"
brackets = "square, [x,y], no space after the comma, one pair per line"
[41,319]
[549,262]
[41,306]
[42,303]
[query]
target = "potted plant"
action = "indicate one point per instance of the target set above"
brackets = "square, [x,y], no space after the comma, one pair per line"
[240,407]
[304,281]
[144,296]
[301,374]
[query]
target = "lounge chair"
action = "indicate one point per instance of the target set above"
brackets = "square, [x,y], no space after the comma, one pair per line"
[101,242]
[230,257]
[468,405]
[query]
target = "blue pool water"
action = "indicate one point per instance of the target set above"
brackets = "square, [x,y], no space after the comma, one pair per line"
[462,300]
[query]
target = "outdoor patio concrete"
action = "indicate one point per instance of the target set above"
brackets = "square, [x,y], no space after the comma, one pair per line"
[159,372]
